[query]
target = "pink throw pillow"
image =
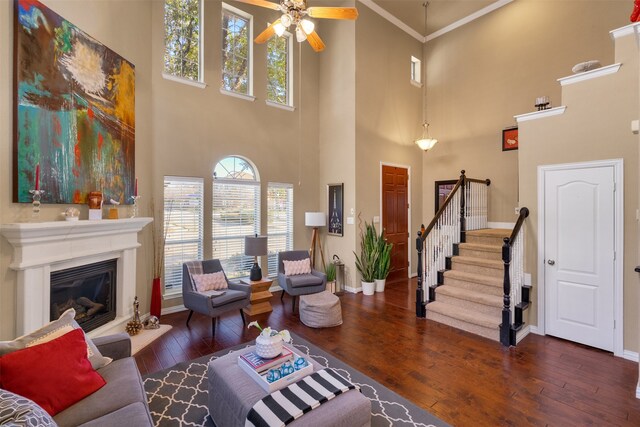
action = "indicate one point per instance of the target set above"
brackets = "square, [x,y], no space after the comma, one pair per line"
[209,282]
[293,268]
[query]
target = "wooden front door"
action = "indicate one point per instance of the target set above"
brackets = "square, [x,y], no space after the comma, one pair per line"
[395,218]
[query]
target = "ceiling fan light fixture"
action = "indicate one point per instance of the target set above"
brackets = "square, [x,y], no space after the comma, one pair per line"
[279,29]
[307,26]
[286,20]
[300,35]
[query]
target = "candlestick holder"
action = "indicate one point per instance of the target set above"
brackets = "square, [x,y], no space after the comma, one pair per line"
[134,207]
[36,195]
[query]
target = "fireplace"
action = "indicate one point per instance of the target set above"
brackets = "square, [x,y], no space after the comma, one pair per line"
[89,289]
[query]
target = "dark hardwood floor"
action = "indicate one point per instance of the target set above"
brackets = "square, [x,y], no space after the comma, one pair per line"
[463,379]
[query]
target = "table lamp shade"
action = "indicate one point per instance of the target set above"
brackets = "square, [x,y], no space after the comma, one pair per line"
[315,219]
[255,245]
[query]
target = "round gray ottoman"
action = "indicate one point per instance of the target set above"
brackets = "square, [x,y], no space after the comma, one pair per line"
[321,310]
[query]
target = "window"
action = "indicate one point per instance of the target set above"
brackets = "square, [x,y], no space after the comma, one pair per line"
[236,213]
[279,73]
[236,50]
[416,71]
[280,222]
[182,28]
[183,210]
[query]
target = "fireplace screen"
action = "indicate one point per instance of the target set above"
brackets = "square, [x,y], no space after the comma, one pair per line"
[89,289]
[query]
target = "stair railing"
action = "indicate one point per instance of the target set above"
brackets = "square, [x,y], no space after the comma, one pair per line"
[513,259]
[465,208]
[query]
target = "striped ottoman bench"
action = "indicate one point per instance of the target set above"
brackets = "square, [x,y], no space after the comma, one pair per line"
[321,310]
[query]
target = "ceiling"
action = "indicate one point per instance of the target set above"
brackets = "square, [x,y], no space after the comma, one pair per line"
[440,13]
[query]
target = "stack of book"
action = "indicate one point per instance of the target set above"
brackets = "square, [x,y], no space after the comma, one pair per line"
[261,365]
[257,367]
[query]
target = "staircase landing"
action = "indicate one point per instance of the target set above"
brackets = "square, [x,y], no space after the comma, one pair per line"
[470,296]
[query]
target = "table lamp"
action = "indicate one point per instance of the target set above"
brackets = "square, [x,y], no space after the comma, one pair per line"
[315,220]
[255,246]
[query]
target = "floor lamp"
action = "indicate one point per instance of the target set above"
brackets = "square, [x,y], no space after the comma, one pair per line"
[315,220]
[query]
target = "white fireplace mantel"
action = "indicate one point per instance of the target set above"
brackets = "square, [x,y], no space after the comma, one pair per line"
[43,247]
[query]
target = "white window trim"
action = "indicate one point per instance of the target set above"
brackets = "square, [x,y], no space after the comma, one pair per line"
[289,105]
[237,95]
[249,17]
[418,64]
[200,82]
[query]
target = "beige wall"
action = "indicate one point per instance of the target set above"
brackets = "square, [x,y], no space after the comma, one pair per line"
[124,27]
[195,128]
[388,117]
[595,126]
[482,74]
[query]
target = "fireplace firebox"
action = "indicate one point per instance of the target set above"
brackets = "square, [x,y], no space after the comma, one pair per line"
[89,289]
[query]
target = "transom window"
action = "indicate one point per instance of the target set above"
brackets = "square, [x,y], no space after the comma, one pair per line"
[182,39]
[236,213]
[279,81]
[416,70]
[236,50]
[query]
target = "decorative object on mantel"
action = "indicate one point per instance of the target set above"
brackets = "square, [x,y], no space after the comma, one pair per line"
[586,66]
[510,139]
[71,214]
[36,194]
[269,342]
[135,198]
[113,212]
[635,14]
[152,322]
[74,110]
[135,326]
[95,205]
[425,142]
[542,103]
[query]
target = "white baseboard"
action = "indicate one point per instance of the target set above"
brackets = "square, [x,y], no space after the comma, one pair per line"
[638,391]
[174,309]
[534,330]
[523,333]
[508,225]
[631,355]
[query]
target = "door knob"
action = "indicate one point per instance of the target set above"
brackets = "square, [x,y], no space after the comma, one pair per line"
[551,262]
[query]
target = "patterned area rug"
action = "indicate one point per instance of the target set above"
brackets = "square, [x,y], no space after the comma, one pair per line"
[178,396]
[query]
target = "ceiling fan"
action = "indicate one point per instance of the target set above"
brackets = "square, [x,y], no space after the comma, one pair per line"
[295,13]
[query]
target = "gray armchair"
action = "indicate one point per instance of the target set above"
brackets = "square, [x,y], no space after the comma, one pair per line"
[300,284]
[237,296]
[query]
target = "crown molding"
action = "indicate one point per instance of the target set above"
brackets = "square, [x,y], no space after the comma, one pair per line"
[391,18]
[459,23]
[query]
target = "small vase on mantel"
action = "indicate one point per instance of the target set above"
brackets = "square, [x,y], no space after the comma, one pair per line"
[268,347]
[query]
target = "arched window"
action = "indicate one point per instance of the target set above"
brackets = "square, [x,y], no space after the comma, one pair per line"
[236,213]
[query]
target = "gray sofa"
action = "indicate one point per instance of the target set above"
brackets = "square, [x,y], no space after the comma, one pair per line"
[122,401]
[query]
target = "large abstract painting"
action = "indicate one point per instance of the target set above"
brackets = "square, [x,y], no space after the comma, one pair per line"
[74,115]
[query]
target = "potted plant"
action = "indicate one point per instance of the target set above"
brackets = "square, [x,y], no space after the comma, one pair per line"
[384,262]
[330,271]
[368,258]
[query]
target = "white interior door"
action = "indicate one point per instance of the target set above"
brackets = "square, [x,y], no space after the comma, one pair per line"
[579,254]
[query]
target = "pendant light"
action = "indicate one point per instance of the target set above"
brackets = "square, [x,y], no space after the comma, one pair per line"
[425,142]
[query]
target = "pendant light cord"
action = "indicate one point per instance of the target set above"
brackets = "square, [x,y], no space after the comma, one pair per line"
[299,114]
[424,73]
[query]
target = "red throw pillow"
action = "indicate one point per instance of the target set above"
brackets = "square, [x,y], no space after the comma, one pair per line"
[55,374]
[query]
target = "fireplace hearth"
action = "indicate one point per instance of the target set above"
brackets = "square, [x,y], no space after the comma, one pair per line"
[89,289]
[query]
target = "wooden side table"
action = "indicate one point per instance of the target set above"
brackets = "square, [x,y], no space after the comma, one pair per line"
[260,296]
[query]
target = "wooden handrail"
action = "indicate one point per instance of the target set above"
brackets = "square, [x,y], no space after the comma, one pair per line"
[441,210]
[480,181]
[524,213]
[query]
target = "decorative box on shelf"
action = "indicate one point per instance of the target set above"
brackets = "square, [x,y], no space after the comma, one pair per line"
[270,387]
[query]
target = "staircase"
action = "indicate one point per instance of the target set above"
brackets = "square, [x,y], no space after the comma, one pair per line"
[469,295]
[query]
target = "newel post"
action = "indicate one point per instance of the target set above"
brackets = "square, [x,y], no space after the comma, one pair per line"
[463,194]
[421,309]
[505,327]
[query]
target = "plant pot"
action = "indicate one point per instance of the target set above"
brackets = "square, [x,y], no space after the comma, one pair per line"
[368,288]
[331,286]
[380,284]
[269,347]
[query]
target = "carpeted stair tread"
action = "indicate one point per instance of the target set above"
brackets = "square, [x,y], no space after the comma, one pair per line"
[463,315]
[468,295]
[490,232]
[481,247]
[474,278]
[481,262]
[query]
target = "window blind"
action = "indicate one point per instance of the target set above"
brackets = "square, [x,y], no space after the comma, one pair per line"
[183,227]
[280,222]
[236,214]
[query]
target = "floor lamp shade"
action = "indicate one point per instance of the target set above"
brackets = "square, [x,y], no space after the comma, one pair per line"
[255,246]
[315,219]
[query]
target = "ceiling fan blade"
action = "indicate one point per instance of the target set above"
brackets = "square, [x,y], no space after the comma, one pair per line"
[333,12]
[262,3]
[266,34]
[315,41]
